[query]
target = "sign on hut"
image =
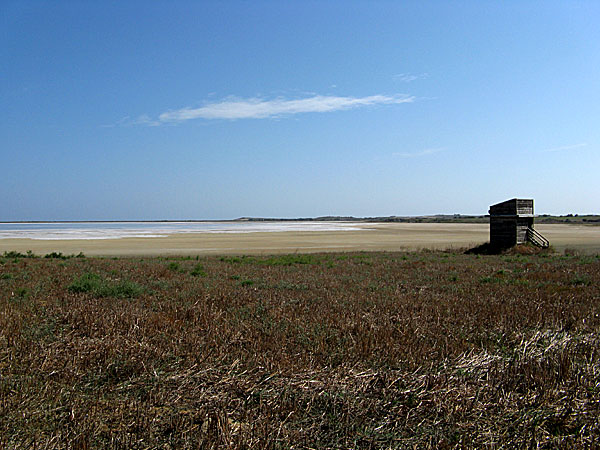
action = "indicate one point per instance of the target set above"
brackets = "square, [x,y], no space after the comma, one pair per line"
[511,223]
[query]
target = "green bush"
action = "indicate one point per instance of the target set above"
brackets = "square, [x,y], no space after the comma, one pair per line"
[14,254]
[122,289]
[55,255]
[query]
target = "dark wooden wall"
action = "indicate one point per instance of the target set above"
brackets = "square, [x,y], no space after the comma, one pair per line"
[503,231]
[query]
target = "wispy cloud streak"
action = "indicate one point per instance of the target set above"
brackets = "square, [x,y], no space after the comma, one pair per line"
[146,120]
[128,121]
[408,77]
[566,147]
[258,108]
[427,151]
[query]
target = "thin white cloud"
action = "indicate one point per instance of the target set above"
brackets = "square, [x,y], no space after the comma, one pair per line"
[408,77]
[128,121]
[427,151]
[146,120]
[566,147]
[259,108]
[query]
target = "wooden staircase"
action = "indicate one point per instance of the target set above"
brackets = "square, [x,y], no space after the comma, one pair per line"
[536,238]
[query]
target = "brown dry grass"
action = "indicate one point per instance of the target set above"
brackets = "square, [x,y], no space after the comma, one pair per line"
[360,350]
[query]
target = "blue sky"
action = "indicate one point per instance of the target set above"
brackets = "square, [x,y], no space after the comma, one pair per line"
[217,110]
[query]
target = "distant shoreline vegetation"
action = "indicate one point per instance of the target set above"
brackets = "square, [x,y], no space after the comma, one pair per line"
[590,219]
[573,219]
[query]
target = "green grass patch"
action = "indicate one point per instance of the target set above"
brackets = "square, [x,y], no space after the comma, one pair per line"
[276,260]
[492,279]
[198,271]
[174,267]
[236,259]
[289,260]
[581,280]
[94,284]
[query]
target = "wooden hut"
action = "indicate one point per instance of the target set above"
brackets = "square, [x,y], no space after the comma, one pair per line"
[511,223]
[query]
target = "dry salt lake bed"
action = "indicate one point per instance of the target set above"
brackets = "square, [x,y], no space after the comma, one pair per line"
[198,238]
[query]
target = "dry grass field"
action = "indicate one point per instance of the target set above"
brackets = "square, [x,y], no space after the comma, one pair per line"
[354,350]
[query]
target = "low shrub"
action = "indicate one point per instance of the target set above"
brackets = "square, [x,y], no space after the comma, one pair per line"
[55,255]
[14,254]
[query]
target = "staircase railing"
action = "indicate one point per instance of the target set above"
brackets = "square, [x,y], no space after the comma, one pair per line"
[536,238]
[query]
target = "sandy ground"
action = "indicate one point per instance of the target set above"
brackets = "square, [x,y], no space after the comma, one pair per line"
[389,237]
